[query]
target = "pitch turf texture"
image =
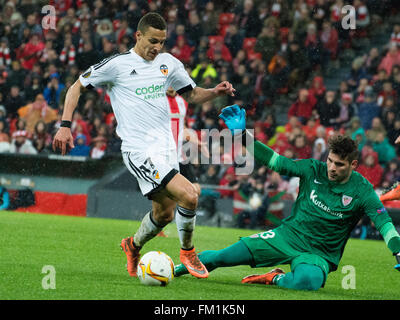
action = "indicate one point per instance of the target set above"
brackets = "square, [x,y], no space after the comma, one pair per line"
[89,264]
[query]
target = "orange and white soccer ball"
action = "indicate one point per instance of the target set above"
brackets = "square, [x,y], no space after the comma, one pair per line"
[155,268]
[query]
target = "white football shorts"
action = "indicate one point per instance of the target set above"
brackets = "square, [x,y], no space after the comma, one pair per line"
[152,173]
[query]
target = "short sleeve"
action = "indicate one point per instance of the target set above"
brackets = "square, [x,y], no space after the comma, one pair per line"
[99,74]
[180,79]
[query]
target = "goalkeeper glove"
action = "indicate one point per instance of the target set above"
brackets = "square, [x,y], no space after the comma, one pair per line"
[234,118]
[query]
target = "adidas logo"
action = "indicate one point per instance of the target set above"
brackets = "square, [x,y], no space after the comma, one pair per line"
[133,72]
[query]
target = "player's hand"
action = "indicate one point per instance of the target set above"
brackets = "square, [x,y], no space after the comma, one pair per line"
[234,118]
[225,87]
[63,140]
[397,141]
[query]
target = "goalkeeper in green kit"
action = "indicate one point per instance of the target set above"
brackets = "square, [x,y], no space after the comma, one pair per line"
[332,198]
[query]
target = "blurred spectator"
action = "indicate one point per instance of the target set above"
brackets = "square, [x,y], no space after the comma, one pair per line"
[81,149]
[387,93]
[41,138]
[391,174]
[303,107]
[357,72]
[99,147]
[301,147]
[247,20]
[267,43]
[372,61]
[258,202]
[87,57]
[371,169]
[21,144]
[317,88]
[233,39]
[330,40]
[29,53]
[53,91]
[182,50]
[319,149]
[209,196]
[376,128]
[210,19]
[391,59]
[219,51]
[368,109]
[36,111]
[386,152]
[13,102]
[298,64]
[347,110]
[357,132]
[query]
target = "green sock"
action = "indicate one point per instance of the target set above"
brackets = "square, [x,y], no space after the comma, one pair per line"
[234,255]
[304,277]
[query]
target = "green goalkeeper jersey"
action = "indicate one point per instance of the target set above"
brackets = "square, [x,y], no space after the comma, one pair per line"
[325,212]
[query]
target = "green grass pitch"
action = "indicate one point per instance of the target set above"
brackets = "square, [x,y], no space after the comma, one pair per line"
[89,264]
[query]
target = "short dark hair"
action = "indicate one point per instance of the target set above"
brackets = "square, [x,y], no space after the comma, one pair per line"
[151,19]
[344,146]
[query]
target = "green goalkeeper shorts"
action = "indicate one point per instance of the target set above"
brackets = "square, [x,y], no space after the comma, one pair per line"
[270,248]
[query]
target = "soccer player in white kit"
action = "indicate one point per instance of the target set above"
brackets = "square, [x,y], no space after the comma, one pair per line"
[136,83]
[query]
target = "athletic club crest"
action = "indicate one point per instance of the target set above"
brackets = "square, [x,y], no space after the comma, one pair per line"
[346,200]
[164,69]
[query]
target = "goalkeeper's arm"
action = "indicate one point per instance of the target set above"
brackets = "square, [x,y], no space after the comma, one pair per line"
[392,240]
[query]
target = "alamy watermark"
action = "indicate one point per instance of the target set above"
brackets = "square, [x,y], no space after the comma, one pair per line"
[349,18]
[49,280]
[349,280]
[49,20]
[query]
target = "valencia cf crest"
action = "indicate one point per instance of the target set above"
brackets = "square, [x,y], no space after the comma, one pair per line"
[164,69]
[346,200]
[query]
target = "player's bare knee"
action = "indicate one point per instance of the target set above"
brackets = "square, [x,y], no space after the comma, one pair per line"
[190,199]
[163,217]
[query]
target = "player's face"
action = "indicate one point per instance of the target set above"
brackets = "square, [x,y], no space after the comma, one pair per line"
[150,43]
[339,170]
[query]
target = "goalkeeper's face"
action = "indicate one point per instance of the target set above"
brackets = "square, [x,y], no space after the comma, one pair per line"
[339,170]
[150,43]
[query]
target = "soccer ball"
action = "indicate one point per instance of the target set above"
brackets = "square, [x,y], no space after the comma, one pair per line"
[155,269]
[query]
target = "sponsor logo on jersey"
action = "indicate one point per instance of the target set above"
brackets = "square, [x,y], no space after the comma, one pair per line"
[164,69]
[151,92]
[133,72]
[381,210]
[346,200]
[321,205]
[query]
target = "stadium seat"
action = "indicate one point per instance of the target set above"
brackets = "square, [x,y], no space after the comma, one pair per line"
[249,43]
[212,40]
[225,19]
[284,34]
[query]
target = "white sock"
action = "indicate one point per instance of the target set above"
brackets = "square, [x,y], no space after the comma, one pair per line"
[185,221]
[148,230]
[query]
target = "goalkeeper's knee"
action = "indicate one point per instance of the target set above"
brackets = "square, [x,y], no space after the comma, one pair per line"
[304,277]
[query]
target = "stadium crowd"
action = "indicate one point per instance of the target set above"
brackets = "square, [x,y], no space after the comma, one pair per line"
[266,49]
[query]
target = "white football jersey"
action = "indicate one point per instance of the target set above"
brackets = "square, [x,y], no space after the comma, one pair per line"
[137,92]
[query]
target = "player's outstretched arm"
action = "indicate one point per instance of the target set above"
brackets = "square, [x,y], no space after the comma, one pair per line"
[201,95]
[392,240]
[235,119]
[63,138]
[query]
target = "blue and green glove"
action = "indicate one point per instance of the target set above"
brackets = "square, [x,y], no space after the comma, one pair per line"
[234,118]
